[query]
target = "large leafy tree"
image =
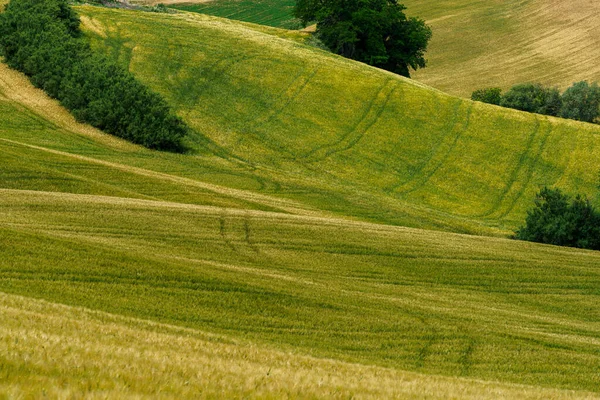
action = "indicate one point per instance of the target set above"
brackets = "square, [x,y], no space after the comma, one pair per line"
[376,32]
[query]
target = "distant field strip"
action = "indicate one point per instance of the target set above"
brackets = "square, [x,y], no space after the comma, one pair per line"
[482,44]
[277,13]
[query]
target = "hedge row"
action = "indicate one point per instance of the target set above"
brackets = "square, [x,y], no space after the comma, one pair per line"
[43,40]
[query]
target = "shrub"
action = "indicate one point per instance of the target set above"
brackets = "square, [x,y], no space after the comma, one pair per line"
[43,40]
[555,219]
[581,102]
[532,97]
[491,95]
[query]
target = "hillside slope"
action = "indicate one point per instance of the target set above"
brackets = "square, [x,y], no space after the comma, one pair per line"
[478,44]
[401,298]
[336,133]
[501,43]
[259,264]
[119,357]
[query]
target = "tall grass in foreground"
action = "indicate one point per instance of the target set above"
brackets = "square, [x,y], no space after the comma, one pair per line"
[98,355]
[408,299]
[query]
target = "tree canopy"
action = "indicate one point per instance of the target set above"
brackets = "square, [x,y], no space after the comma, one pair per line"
[533,97]
[581,102]
[376,32]
[557,219]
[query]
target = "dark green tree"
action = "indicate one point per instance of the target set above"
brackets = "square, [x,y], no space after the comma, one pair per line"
[533,97]
[376,32]
[581,102]
[555,219]
[491,95]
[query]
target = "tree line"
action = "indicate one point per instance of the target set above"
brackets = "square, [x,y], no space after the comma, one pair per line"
[580,102]
[43,40]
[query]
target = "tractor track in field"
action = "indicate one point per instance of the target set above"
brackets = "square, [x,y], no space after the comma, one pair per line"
[289,96]
[370,117]
[439,157]
[527,162]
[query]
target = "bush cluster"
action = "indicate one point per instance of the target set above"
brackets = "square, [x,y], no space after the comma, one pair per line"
[43,40]
[579,102]
[557,219]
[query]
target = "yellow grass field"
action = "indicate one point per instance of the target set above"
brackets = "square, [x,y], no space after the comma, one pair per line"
[130,358]
[502,43]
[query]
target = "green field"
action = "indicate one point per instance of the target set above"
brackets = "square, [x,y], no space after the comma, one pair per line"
[345,137]
[479,44]
[285,255]
[277,13]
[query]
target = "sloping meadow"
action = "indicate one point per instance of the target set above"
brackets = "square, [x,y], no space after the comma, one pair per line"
[326,122]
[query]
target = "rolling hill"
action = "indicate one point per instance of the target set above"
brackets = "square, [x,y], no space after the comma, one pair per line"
[269,261]
[334,133]
[477,44]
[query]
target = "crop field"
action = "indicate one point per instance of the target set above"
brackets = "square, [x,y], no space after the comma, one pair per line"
[501,43]
[277,13]
[479,44]
[285,255]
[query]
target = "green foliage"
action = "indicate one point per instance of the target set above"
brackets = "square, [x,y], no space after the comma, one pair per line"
[376,32]
[557,220]
[491,95]
[43,40]
[581,102]
[533,97]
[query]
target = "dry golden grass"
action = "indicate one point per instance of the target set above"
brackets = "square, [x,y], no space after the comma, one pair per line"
[67,352]
[480,44]
[93,25]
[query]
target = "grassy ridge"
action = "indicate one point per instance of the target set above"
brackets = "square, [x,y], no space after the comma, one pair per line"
[430,302]
[480,44]
[324,119]
[417,300]
[256,237]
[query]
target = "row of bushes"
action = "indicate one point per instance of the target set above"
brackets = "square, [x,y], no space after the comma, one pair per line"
[557,219]
[579,102]
[43,40]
